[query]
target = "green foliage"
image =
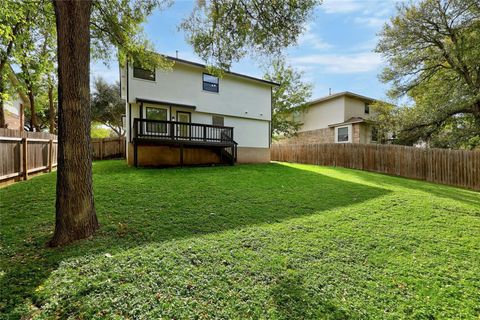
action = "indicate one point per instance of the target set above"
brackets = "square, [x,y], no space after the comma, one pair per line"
[385,117]
[459,132]
[36,56]
[291,96]
[117,24]
[282,242]
[432,49]
[98,131]
[224,31]
[13,28]
[107,106]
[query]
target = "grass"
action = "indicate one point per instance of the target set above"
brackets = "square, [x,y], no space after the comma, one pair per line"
[271,241]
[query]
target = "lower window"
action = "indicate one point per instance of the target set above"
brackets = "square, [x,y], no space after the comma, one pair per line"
[342,134]
[156,114]
[217,121]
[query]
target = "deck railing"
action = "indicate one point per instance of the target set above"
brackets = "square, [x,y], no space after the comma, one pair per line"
[175,130]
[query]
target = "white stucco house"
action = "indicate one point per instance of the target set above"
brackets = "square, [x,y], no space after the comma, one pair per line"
[186,116]
[336,118]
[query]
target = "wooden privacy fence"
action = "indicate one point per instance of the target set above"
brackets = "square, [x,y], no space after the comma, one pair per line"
[108,148]
[23,153]
[453,167]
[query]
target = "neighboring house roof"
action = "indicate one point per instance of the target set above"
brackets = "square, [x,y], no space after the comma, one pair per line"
[227,72]
[340,94]
[349,121]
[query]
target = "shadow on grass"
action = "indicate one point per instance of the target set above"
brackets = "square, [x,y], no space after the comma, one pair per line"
[138,206]
[294,301]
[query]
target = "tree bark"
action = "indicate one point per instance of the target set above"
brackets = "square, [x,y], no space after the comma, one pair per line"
[2,110]
[33,121]
[51,109]
[75,211]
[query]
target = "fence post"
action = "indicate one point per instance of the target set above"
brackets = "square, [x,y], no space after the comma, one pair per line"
[24,158]
[101,149]
[50,155]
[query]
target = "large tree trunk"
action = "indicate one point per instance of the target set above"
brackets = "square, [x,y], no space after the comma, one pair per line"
[75,212]
[51,109]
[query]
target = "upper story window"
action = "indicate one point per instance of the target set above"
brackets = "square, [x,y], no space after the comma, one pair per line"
[210,83]
[218,121]
[367,108]
[342,134]
[144,74]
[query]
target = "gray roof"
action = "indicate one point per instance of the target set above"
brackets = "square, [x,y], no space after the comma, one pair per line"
[340,94]
[349,121]
[227,72]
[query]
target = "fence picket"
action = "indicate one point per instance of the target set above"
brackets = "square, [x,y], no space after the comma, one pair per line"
[452,167]
[39,153]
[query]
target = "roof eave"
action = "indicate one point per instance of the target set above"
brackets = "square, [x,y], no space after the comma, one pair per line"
[341,94]
[196,64]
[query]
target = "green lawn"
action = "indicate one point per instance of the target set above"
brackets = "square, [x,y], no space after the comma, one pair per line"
[278,241]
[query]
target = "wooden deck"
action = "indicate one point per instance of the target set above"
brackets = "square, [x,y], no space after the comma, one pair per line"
[184,135]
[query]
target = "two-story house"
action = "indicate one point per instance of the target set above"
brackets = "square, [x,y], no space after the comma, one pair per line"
[336,118]
[186,116]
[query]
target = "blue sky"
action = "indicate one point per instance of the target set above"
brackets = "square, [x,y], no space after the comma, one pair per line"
[335,51]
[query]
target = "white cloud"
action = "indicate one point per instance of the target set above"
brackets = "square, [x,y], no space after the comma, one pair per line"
[368,45]
[374,22]
[341,6]
[370,13]
[314,41]
[341,64]
[311,39]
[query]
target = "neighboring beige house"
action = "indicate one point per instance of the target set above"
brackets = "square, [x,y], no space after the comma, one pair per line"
[337,118]
[186,116]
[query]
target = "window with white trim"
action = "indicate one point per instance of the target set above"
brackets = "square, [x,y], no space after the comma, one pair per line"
[210,83]
[156,114]
[342,134]
[144,74]
[218,121]
[367,108]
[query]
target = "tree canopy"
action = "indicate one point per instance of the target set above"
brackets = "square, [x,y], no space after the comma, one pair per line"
[14,26]
[35,56]
[221,32]
[290,96]
[107,106]
[432,49]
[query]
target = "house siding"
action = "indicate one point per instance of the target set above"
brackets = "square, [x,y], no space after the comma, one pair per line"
[244,104]
[322,114]
[237,96]
[318,119]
